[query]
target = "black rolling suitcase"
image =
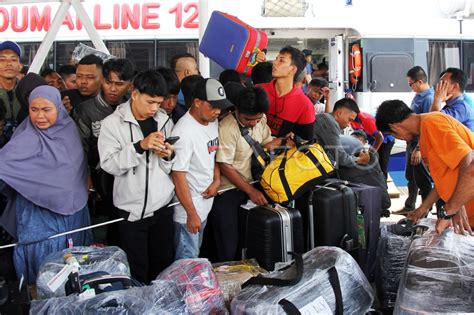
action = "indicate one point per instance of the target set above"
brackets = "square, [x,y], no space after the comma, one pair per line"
[330,217]
[370,206]
[272,233]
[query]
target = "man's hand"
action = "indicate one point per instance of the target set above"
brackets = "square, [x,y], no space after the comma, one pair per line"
[257,197]
[417,214]
[325,91]
[363,158]
[290,140]
[154,141]
[90,186]
[261,57]
[167,152]
[415,157]
[460,222]
[441,91]
[193,222]
[212,190]
[67,103]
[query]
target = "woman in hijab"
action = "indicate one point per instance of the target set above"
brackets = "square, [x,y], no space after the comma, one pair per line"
[43,175]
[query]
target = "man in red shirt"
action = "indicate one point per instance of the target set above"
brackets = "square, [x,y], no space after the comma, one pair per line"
[290,110]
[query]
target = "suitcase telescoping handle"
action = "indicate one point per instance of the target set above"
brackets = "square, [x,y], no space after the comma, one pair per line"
[291,309]
[259,280]
[311,221]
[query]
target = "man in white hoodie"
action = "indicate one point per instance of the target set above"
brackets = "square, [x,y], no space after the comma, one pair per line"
[132,148]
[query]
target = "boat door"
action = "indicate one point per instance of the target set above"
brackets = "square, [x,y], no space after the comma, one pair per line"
[336,68]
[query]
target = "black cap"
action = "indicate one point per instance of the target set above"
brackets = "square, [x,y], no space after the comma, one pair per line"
[212,91]
[307,52]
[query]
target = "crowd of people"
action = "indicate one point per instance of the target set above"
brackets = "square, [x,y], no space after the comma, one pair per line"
[168,151]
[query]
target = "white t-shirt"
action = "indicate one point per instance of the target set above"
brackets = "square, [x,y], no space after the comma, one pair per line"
[195,154]
[319,107]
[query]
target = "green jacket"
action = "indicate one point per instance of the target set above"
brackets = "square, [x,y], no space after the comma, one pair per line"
[8,106]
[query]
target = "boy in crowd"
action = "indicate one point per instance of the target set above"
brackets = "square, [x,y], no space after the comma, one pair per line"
[195,174]
[234,158]
[290,110]
[132,148]
[318,89]
[170,102]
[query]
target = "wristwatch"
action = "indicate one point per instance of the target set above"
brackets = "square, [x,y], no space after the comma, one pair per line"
[442,214]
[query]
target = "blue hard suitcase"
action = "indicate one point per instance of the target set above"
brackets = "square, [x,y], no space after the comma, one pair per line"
[232,43]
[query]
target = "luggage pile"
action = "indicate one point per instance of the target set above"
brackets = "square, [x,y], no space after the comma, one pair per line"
[100,282]
[161,297]
[326,280]
[439,275]
[393,248]
[111,259]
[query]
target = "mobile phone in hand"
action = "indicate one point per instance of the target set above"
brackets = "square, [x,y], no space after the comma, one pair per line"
[172,140]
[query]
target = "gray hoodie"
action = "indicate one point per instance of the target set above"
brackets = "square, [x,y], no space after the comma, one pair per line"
[141,187]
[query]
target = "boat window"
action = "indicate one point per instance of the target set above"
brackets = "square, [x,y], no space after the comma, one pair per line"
[468,62]
[442,55]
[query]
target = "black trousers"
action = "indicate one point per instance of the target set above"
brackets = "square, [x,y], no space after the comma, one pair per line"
[148,243]
[104,185]
[223,224]
[384,156]
[419,180]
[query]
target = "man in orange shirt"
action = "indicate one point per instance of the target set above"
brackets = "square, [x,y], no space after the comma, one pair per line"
[446,147]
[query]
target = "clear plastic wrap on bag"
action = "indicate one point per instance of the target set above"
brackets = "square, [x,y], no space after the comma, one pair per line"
[198,284]
[231,275]
[439,275]
[91,259]
[161,297]
[82,50]
[391,253]
[314,289]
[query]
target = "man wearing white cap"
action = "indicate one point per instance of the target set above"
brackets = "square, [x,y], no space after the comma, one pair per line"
[195,174]
[10,67]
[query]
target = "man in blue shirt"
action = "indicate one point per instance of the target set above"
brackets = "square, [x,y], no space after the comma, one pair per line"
[450,89]
[468,100]
[418,177]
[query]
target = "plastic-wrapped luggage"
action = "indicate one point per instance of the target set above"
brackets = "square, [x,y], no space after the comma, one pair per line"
[161,297]
[391,255]
[198,284]
[231,275]
[317,289]
[111,259]
[439,275]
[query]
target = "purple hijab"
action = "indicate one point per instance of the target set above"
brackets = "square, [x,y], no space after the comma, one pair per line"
[47,167]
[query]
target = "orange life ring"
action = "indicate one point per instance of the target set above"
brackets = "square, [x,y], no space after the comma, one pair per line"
[355,64]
